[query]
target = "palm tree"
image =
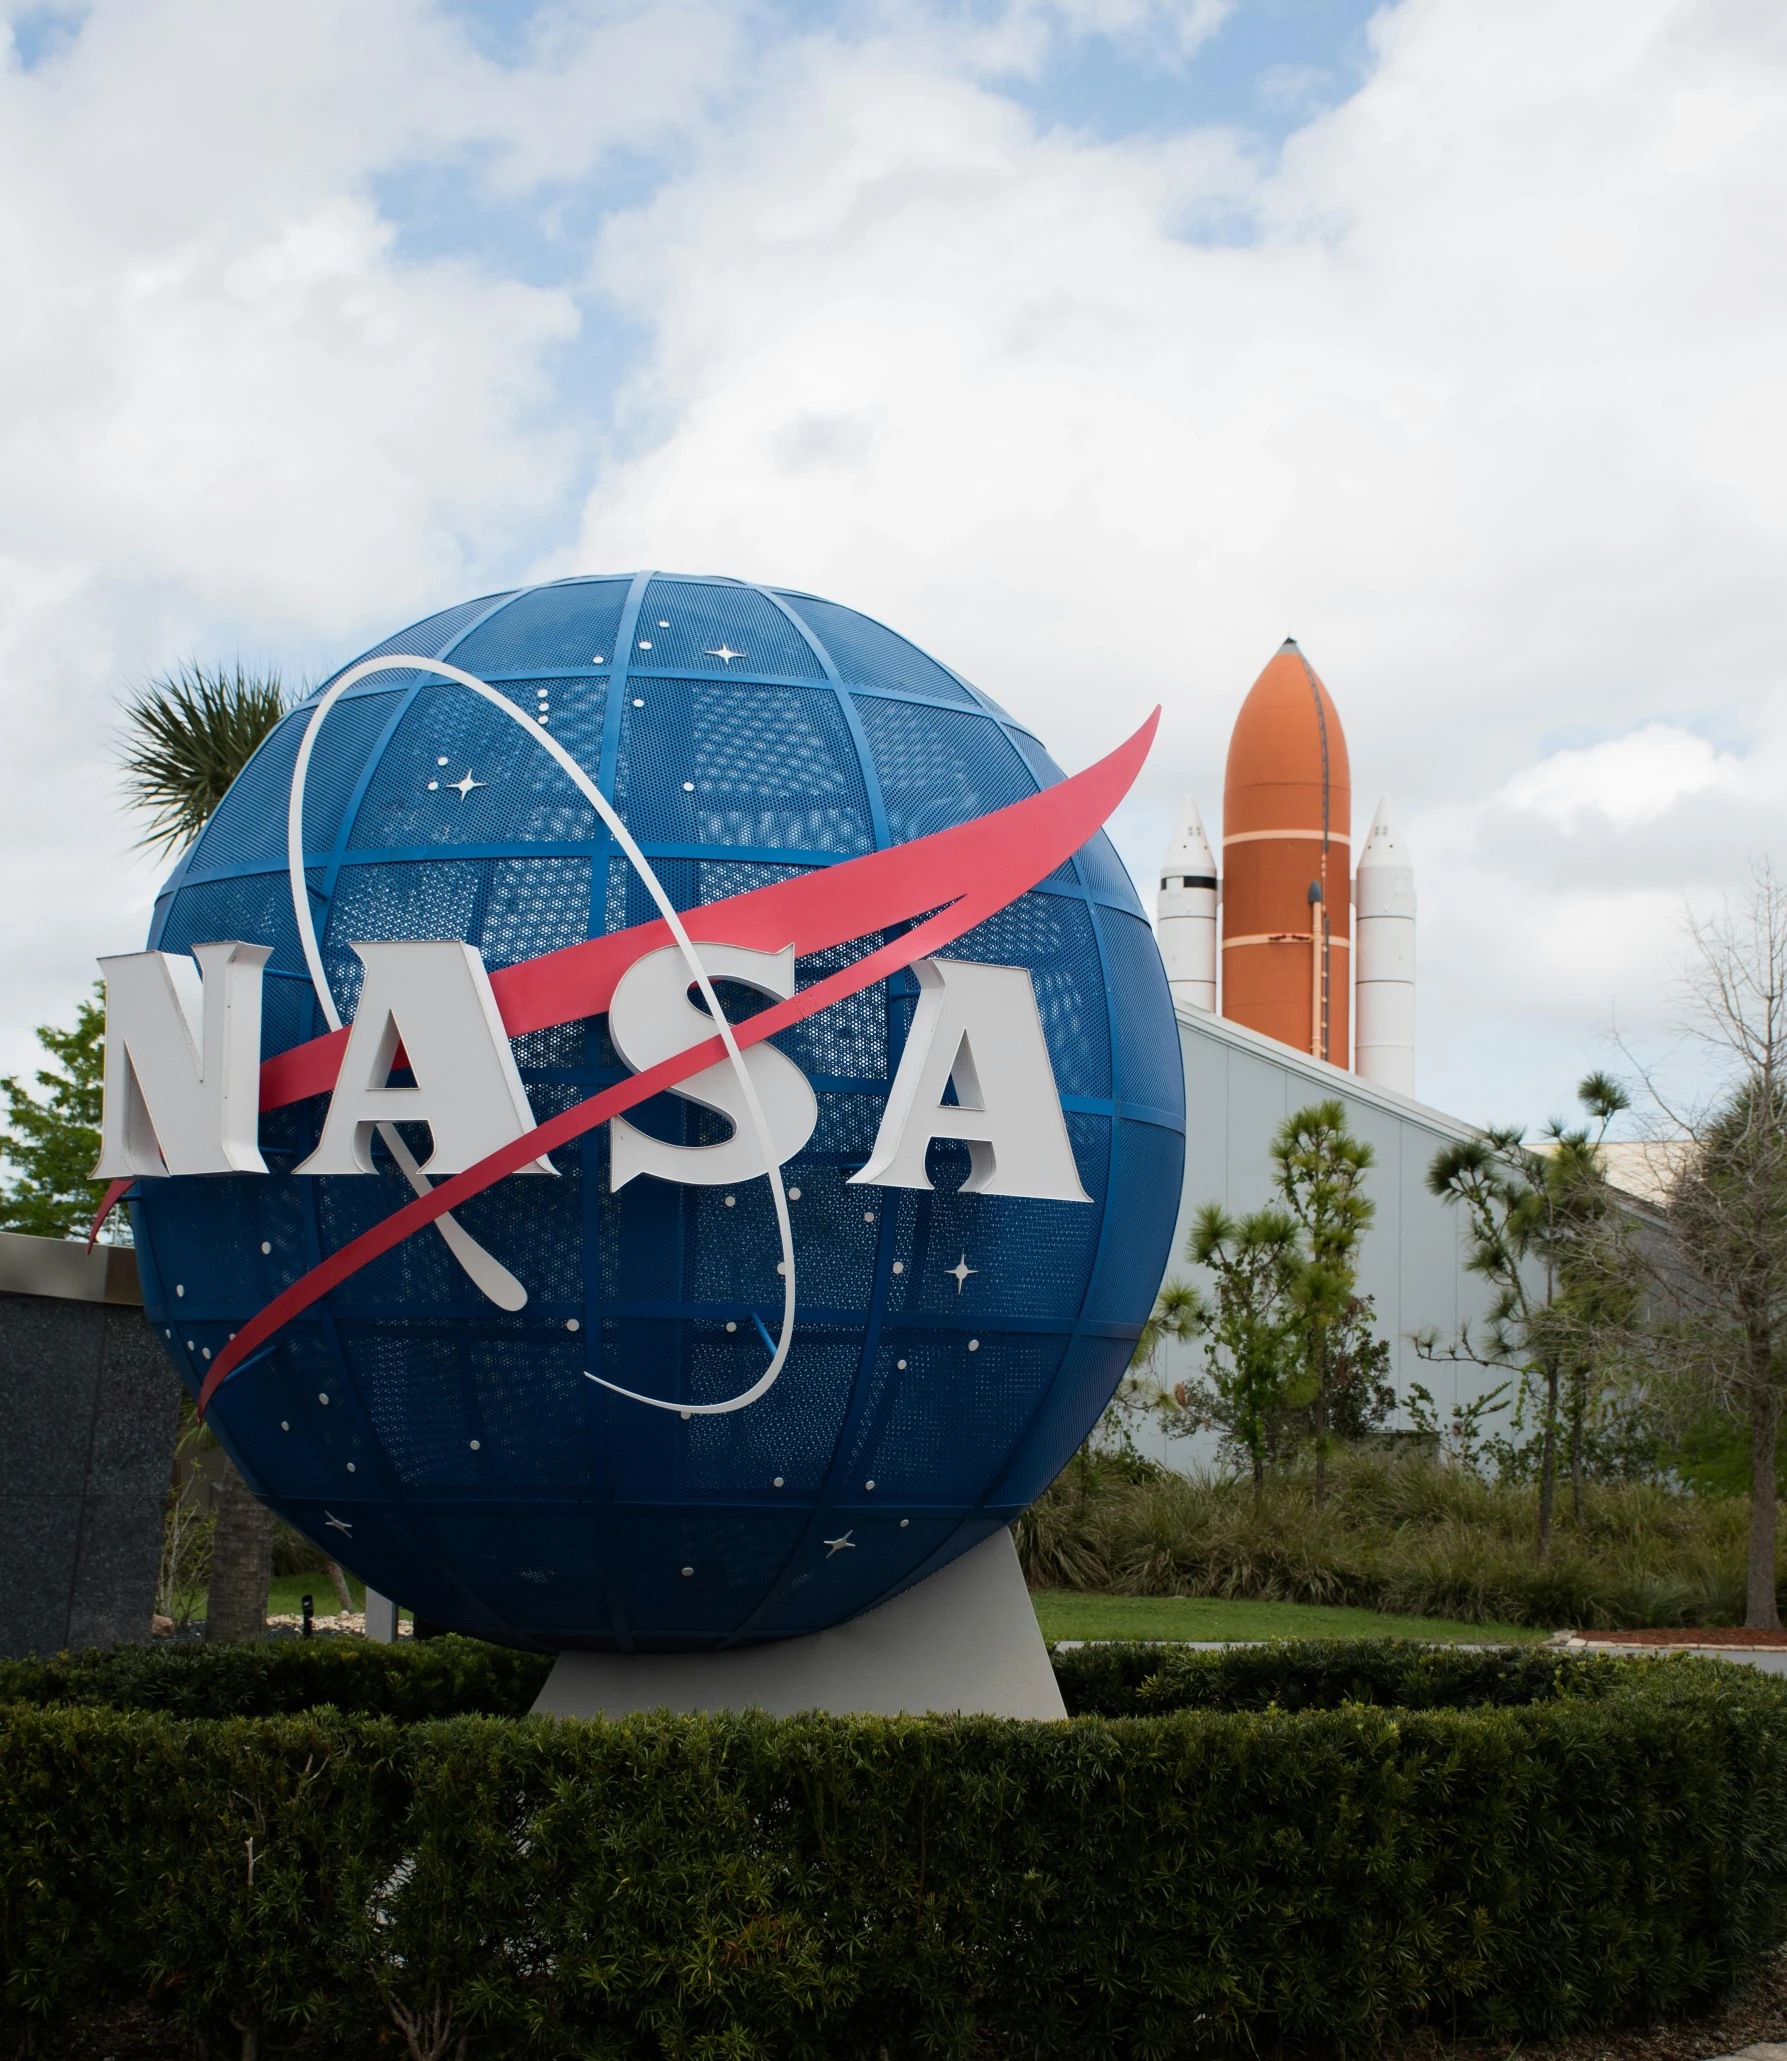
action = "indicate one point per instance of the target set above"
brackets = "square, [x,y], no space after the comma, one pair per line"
[187,734]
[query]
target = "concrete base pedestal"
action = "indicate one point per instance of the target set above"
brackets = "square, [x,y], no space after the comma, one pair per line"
[964,1640]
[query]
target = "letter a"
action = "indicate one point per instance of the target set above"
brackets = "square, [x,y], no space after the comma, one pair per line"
[182,1064]
[977,1026]
[433,998]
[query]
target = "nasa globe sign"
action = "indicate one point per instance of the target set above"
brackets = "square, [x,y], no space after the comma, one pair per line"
[652,1114]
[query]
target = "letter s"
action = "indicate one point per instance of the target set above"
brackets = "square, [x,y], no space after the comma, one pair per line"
[650,1018]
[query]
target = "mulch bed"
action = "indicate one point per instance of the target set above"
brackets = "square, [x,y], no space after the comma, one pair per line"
[1705,1635]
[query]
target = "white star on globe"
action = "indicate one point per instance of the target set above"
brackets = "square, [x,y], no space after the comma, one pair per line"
[465,786]
[838,1545]
[725,654]
[960,1272]
[334,1523]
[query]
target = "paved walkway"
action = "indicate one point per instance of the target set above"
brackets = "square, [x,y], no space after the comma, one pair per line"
[1770,1660]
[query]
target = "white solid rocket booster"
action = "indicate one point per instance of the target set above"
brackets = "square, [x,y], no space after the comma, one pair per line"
[1384,953]
[1187,913]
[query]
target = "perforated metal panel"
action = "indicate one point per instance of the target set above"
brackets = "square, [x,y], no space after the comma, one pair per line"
[546,629]
[936,768]
[697,626]
[951,1349]
[867,653]
[693,768]
[435,635]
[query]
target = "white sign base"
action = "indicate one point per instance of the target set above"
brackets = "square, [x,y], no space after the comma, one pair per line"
[965,1639]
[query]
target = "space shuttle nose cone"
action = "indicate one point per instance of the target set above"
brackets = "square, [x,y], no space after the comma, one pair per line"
[1286,862]
[1189,851]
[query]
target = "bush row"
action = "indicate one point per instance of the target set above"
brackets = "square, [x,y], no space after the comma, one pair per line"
[1398,1536]
[1567,1844]
[454,1677]
[1130,1680]
[409,1682]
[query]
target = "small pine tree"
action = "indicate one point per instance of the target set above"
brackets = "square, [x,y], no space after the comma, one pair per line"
[1547,1235]
[1291,1351]
[52,1138]
[1321,1171]
[1254,1372]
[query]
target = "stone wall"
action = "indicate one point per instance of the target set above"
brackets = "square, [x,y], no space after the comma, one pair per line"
[89,1408]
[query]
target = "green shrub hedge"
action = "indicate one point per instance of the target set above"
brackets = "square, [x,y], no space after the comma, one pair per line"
[1549,1843]
[430,1678]
[1131,1680]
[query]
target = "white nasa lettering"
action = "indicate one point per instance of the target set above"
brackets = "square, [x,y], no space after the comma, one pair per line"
[433,997]
[978,1027]
[182,1063]
[650,1019]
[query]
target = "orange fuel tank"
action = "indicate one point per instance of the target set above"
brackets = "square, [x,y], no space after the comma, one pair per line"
[1287,865]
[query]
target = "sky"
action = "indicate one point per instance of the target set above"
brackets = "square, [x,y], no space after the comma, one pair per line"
[1096,345]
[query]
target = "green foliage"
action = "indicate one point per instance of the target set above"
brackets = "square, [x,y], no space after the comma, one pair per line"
[1509,1846]
[1550,1237]
[433,1678]
[1323,1674]
[186,737]
[1321,1171]
[1253,1370]
[188,1523]
[1397,1534]
[1711,1452]
[52,1138]
[1291,1355]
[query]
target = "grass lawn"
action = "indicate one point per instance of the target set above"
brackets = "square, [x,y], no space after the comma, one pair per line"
[1067,1614]
[289,1590]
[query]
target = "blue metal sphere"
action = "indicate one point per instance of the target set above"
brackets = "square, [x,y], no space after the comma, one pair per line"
[454,1455]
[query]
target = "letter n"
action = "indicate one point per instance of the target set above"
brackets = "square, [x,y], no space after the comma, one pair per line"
[182,1063]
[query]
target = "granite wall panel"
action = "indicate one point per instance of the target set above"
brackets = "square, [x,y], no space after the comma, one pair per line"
[89,1408]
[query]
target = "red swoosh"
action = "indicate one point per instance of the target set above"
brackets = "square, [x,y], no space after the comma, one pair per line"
[975,869]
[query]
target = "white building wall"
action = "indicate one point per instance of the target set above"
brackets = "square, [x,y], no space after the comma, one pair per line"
[1239,1087]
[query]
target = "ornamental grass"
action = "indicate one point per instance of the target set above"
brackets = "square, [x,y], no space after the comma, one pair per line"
[1395,1535]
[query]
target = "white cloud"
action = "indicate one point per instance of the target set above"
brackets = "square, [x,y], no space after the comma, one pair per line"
[233,412]
[1475,387]
[1486,409]
[1629,779]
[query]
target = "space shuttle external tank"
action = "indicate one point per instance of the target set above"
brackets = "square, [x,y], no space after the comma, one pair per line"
[1287,865]
[1385,898]
[1187,914]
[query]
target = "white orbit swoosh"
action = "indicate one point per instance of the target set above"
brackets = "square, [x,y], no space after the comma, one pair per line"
[472,1256]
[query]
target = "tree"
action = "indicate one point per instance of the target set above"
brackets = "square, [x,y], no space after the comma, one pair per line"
[1253,1369]
[187,734]
[1290,1351]
[52,1139]
[1544,1231]
[1321,1175]
[1600,1275]
[1721,1292]
[186,737]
